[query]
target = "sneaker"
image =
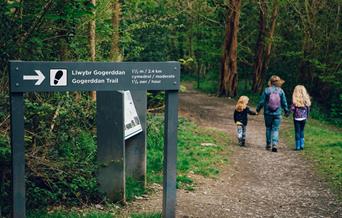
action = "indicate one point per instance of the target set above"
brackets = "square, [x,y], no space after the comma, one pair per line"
[268,147]
[243,143]
[274,149]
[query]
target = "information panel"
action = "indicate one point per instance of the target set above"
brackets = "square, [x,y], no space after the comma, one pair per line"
[26,76]
[132,121]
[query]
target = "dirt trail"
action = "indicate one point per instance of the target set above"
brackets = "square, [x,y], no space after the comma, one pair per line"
[256,182]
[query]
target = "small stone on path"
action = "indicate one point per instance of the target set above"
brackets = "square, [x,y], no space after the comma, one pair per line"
[207,144]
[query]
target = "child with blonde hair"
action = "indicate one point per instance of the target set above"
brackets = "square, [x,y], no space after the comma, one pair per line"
[300,107]
[241,118]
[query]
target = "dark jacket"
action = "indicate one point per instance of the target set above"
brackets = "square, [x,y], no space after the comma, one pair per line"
[264,100]
[243,115]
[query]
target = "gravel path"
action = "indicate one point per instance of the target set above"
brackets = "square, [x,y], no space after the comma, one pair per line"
[256,182]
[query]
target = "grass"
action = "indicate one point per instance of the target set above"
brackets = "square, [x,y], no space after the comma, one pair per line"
[207,85]
[89,214]
[146,215]
[192,158]
[72,214]
[191,155]
[323,146]
[134,188]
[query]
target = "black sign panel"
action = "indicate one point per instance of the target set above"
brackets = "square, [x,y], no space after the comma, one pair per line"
[27,76]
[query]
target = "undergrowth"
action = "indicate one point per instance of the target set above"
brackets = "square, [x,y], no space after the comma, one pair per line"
[61,146]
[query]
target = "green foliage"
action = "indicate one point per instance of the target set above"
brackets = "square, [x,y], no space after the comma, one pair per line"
[5,150]
[308,51]
[71,214]
[60,149]
[208,86]
[336,111]
[192,156]
[5,153]
[88,213]
[323,145]
[155,99]
[60,152]
[306,46]
[134,188]
[146,215]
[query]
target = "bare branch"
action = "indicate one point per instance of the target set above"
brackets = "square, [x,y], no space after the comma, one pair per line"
[36,23]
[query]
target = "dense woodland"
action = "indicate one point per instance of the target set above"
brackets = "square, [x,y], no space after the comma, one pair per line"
[223,42]
[225,45]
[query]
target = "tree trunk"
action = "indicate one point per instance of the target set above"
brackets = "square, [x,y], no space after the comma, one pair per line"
[228,76]
[92,43]
[264,44]
[191,31]
[337,21]
[115,53]
[259,57]
[271,34]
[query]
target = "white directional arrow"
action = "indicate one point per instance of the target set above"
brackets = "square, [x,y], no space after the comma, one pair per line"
[39,77]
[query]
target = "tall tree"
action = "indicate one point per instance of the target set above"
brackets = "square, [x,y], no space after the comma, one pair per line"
[270,34]
[258,66]
[92,41]
[264,43]
[229,76]
[115,53]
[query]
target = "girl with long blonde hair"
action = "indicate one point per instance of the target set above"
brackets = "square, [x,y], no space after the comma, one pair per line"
[240,118]
[300,107]
[300,97]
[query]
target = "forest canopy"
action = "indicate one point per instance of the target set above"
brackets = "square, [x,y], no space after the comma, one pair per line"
[298,40]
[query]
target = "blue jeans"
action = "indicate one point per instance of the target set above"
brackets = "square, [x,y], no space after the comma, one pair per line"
[299,133]
[272,123]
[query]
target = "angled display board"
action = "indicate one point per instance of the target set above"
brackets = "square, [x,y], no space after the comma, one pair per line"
[88,76]
[132,121]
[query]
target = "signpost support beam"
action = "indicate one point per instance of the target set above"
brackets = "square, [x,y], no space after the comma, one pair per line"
[170,154]
[18,155]
[111,144]
[136,146]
